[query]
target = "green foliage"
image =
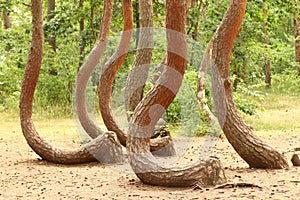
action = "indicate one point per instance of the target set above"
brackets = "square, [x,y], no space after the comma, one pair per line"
[286,83]
[57,77]
[247,101]
[13,57]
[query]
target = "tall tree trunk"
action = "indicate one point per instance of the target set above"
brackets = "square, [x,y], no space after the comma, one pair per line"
[82,39]
[253,150]
[107,76]
[50,15]
[297,36]
[105,148]
[151,108]
[6,20]
[266,42]
[109,70]
[139,72]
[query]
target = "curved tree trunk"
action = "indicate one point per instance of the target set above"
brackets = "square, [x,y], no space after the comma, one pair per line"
[253,150]
[86,70]
[104,148]
[151,108]
[107,76]
[109,70]
[138,74]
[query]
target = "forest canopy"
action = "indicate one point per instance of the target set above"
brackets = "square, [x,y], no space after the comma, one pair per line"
[267,37]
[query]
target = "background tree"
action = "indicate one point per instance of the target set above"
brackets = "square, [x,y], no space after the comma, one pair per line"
[50,15]
[81,31]
[5,7]
[6,19]
[247,59]
[297,34]
[267,43]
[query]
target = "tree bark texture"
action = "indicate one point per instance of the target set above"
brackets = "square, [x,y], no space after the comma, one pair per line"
[252,149]
[151,108]
[107,76]
[104,148]
[297,36]
[6,20]
[50,15]
[139,72]
[109,70]
[86,70]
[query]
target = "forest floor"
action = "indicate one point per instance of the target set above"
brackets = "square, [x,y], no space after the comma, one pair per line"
[24,176]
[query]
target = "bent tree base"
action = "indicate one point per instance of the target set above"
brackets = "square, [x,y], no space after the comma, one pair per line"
[104,148]
[151,108]
[203,173]
[251,148]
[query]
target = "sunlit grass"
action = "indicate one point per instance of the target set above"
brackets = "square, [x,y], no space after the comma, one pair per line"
[279,112]
[57,131]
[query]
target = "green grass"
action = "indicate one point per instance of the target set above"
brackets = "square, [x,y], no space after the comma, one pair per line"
[279,113]
[56,129]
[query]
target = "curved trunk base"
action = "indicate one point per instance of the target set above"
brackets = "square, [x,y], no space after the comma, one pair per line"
[204,173]
[162,147]
[107,149]
[86,70]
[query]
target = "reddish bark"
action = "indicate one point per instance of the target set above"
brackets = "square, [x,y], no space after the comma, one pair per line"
[109,70]
[252,149]
[105,148]
[151,108]
[139,72]
[107,76]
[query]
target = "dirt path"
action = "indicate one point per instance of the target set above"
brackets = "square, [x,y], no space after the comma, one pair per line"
[24,176]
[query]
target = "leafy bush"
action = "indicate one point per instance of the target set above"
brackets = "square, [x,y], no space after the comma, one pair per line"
[286,83]
[247,99]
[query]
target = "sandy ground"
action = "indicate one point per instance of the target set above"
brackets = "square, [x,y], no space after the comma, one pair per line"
[24,176]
